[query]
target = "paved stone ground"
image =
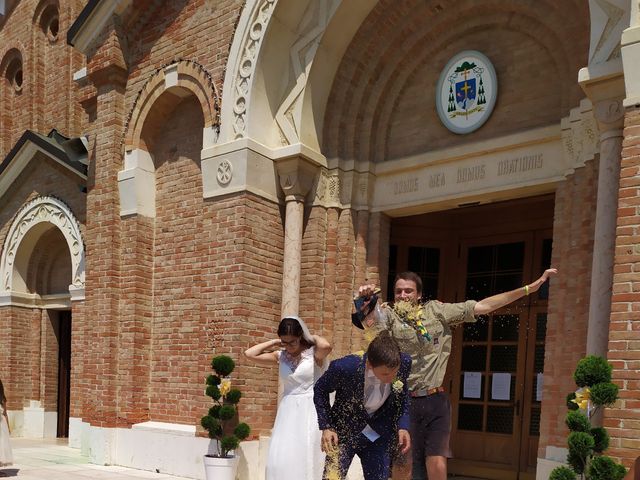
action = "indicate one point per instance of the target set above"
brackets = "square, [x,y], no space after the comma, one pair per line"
[54,460]
[37,459]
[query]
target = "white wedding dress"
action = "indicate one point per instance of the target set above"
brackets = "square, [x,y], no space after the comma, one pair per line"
[294,450]
[6,457]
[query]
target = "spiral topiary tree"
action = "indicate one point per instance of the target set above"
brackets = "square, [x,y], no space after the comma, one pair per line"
[586,443]
[225,407]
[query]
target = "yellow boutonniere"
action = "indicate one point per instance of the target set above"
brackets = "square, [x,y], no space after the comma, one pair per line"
[397,386]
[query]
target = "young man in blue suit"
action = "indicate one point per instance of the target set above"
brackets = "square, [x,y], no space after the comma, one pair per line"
[371,408]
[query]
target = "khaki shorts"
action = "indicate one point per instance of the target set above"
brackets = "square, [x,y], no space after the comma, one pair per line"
[430,430]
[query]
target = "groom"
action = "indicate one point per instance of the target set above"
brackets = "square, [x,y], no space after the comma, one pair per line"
[371,405]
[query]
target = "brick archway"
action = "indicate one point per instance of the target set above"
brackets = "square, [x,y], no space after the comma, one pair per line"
[181,75]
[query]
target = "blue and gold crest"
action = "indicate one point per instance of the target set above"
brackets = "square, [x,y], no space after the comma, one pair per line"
[468,86]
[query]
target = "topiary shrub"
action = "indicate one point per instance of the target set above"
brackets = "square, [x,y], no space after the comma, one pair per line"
[562,473]
[218,420]
[586,443]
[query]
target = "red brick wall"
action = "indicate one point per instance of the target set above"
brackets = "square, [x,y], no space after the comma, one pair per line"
[178,256]
[241,294]
[623,419]
[45,100]
[20,354]
[573,230]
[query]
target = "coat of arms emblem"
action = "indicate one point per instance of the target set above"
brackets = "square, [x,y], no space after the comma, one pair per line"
[466,92]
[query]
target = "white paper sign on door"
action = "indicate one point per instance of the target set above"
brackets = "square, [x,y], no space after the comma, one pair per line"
[539,382]
[472,385]
[501,386]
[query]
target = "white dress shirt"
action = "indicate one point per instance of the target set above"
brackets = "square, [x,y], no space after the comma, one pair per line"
[375,392]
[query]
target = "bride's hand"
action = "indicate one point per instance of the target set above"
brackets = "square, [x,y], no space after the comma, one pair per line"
[329,440]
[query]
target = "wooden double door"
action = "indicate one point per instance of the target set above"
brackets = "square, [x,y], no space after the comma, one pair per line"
[495,372]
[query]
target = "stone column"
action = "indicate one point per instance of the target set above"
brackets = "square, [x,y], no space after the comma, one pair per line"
[296,178]
[609,115]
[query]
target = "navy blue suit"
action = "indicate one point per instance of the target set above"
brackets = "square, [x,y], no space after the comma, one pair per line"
[348,416]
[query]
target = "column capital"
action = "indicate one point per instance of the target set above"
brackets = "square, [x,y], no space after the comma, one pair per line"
[606,93]
[297,176]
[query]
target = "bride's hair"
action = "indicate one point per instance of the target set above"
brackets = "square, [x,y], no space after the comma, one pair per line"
[292,326]
[3,398]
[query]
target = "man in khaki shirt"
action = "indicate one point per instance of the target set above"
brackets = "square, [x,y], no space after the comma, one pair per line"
[430,408]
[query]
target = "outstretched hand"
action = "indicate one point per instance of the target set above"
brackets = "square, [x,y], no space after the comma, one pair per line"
[533,287]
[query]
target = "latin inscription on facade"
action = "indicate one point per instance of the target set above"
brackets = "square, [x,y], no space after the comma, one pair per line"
[436,180]
[520,164]
[470,174]
[405,186]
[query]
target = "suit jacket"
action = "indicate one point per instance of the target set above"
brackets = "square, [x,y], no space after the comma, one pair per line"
[347,416]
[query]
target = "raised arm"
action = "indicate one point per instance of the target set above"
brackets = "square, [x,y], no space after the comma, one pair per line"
[261,353]
[322,350]
[495,302]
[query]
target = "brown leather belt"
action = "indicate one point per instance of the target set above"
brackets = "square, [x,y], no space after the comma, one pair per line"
[426,393]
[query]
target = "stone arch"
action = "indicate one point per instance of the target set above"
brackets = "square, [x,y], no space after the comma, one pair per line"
[180,75]
[32,218]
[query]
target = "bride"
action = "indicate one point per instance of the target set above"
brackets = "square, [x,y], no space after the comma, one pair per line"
[294,450]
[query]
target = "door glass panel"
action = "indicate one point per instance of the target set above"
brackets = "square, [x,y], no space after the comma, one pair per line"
[534,425]
[470,417]
[474,358]
[393,270]
[505,328]
[478,331]
[545,263]
[538,367]
[504,358]
[494,268]
[499,419]
[425,261]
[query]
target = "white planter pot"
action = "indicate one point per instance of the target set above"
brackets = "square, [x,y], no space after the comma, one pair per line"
[220,468]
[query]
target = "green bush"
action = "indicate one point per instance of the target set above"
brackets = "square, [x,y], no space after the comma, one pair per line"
[605,468]
[578,422]
[562,473]
[577,462]
[581,443]
[586,443]
[601,439]
[227,412]
[234,396]
[604,394]
[223,365]
[242,431]
[224,409]
[591,370]
[213,391]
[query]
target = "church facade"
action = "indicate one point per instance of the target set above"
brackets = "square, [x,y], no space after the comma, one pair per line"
[177,176]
